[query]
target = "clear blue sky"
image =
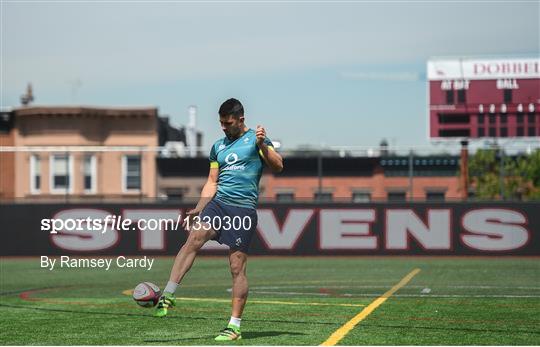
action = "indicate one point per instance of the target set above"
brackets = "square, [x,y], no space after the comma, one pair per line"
[301,69]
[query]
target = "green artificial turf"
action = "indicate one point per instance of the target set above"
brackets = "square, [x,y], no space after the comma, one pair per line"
[452,301]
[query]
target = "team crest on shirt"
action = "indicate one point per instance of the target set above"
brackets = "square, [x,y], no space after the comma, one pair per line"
[221,147]
[246,140]
[238,241]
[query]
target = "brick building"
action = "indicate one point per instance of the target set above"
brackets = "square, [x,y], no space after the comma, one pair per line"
[359,179]
[75,166]
[7,159]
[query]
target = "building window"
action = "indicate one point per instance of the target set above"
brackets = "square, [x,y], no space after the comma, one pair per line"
[361,196]
[285,196]
[531,132]
[89,174]
[520,118]
[61,168]
[397,196]
[323,196]
[504,119]
[504,132]
[461,98]
[492,119]
[520,131]
[35,174]
[507,96]
[435,196]
[449,97]
[492,132]
[131,173]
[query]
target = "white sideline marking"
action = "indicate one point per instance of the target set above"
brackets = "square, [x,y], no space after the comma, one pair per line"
[464,296]
[389,285]
[399,295]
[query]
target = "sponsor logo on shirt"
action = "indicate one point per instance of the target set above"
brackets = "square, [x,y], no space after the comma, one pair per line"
[230,159]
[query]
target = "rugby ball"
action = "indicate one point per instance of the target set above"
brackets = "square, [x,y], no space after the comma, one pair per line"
[146,294]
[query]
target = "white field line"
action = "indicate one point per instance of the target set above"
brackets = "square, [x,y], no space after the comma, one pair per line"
[396,295]
[465,296]
[368,295]
[387,286]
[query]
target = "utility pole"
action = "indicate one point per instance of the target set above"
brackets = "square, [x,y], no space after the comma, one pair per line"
[411,172]
[464,170]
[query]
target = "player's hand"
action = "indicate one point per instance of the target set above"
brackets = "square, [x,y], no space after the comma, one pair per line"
[261,135]
[189,217]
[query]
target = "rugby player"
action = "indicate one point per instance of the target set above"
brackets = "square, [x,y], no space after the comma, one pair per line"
[229,195]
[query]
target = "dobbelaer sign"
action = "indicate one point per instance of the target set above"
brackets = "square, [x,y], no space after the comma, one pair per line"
[483,69]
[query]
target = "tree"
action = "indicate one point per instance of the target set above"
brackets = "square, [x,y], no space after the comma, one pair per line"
[521,175]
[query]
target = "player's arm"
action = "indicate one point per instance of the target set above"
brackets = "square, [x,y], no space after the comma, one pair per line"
[207,193]
[209,189]
[269,155]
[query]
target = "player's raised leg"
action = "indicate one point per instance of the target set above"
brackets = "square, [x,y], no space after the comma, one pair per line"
[237,262]
[182,263]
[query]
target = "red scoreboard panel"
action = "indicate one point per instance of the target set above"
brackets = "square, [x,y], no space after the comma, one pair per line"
[476,98]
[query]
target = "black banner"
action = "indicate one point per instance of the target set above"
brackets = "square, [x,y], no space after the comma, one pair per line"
[283,229]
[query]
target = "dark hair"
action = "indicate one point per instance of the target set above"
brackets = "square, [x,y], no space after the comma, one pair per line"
[231,107]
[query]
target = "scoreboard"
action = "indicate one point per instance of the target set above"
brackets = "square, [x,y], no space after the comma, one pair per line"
[478,98]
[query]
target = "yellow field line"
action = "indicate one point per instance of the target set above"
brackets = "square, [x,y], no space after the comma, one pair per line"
[270,302]
[344,330]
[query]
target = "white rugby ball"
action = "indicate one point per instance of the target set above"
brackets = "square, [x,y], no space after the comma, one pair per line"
[146,294]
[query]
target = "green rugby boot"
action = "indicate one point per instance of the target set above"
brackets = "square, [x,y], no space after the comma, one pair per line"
[230,333]
[166,301]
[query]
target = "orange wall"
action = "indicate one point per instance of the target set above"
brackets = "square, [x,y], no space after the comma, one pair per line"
[342,187]
[7,167]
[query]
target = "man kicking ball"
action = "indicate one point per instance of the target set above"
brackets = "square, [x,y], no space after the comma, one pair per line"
[226,210]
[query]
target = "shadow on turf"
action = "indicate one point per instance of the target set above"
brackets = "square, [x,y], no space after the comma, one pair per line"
[257,334]
[152,317]
[179,339]
[245,336]
[254,334]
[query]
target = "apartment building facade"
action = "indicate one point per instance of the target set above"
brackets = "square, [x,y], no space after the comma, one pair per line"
[80,152]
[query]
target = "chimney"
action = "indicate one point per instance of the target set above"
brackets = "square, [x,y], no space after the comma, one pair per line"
[191,131]
[27,98]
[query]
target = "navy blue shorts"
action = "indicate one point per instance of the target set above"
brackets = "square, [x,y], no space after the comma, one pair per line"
[234,226]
